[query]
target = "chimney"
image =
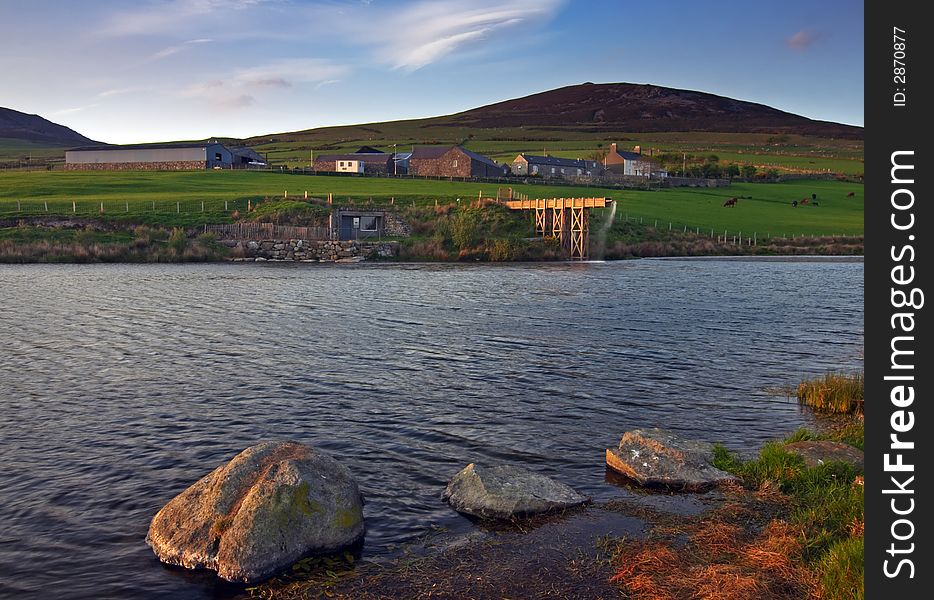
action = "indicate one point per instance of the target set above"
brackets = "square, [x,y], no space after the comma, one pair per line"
[613,148]
[637,149]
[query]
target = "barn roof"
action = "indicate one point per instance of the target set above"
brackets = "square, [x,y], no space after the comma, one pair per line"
[170,146]
[380,157]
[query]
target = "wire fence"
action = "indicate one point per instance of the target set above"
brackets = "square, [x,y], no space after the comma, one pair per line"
[735,237]
[86,208]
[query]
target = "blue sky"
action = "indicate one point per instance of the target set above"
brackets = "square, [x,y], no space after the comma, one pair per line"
[154,70]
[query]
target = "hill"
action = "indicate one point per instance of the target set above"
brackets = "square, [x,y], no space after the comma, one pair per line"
[643,108]
[575,121]
[33,128]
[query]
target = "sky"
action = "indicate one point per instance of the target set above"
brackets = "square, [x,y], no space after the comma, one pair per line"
[157,70]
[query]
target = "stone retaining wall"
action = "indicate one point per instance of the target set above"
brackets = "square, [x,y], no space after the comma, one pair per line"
[394,225]
[309,250]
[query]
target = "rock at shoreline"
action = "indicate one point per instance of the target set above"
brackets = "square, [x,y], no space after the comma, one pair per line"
[506,491]
[274,503]
[655,457]
[818,452]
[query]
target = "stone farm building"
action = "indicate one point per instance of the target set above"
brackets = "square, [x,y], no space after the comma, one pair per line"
[551,166]
[161,157]
[633,163]
[366,160]
[452,161]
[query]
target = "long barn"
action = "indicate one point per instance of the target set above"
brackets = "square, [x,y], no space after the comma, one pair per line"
[160,157]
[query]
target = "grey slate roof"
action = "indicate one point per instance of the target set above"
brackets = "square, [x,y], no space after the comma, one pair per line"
[554,161]
[632,156]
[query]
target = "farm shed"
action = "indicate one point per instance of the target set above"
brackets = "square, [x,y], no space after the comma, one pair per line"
[365,160]
[353,224]
[551,166]
[632,163]
[452,161]
[155,157]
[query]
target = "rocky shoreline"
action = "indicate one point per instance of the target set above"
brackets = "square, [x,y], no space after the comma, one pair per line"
[278,506]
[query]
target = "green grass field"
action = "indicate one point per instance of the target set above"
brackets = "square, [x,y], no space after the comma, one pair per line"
[788,152]
[175,198]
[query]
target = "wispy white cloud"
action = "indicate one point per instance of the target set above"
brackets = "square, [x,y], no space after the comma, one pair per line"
[170,50]
[239,88]
[425,32]
[804,39]
[168,17]
[71,111]
[288,72]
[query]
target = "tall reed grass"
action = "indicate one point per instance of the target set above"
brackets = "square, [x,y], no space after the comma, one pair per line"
[835,393]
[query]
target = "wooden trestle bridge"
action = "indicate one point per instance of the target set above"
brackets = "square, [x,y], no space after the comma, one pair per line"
[565,219]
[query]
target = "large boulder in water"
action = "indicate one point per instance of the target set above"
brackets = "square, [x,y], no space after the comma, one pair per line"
[507,491]
[272,504]
[655,457]
[818,452]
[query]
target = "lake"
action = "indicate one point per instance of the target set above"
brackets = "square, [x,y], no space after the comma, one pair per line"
[121,385]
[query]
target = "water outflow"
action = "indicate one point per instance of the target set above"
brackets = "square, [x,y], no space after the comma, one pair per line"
[600,238]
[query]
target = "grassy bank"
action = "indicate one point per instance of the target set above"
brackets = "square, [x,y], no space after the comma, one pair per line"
[91,245]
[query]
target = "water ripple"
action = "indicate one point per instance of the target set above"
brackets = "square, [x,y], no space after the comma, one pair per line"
[123,384]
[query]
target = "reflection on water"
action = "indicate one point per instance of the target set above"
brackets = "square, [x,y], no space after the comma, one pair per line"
[123,384]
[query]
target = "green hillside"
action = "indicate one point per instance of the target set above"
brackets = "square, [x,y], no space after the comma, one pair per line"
[176,198]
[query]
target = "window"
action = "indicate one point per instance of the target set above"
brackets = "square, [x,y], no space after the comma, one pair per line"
[552,170]
[455,163]
[218,157]
[368,223]
[341,163]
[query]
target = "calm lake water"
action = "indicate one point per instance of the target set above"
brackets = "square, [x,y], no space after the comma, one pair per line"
[120,385]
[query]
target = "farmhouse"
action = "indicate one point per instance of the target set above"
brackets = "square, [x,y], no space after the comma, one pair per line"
[160,157]
[551,166]
[452,161]
[632,163]
[365,160]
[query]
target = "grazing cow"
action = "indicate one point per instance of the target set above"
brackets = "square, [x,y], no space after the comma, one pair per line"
[851,194]
[731,202]
[794,204]
[805,201]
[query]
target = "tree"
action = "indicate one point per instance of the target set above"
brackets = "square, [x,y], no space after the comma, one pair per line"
[749,171]
[732,170]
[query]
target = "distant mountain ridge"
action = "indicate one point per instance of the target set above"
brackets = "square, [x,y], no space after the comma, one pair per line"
[643,108]
[33,128]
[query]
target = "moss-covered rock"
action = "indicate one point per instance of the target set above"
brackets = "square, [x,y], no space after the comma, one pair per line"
[268,507]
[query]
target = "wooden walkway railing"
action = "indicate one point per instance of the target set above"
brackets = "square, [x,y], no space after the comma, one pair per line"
[267,231]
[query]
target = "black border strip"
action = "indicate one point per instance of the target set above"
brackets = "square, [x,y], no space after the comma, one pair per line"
[897,124]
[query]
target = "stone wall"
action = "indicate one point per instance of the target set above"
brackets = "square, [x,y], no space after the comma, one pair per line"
[309,251]
[188,165]
[394,226]
[452,163]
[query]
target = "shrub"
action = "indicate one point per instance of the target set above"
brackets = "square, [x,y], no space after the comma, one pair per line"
[464,229]
[178,240]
